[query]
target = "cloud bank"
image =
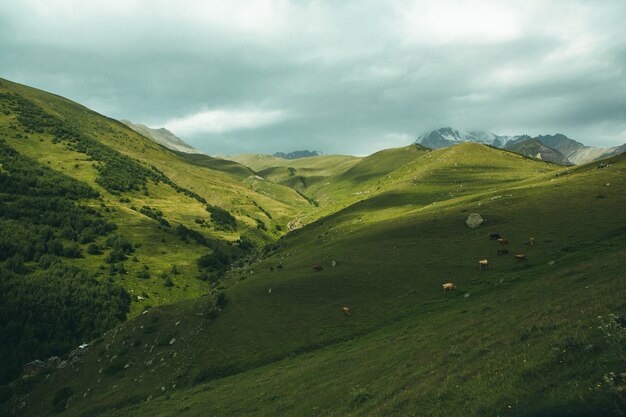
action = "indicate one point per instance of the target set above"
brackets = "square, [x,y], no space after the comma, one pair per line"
[344,77]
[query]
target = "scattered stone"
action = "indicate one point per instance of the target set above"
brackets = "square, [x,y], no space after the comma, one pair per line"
[474,220]
[466,295]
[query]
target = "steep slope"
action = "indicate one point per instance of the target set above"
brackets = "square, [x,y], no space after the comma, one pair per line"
[575,151]
[536,149]
[138,228]
[519,339]
[163,137]
[237,170]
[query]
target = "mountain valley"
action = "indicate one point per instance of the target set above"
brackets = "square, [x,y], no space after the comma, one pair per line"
[267,285]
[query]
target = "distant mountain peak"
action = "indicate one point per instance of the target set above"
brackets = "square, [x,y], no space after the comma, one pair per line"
[297,154]
[162,136]
[448,136]
[556,148]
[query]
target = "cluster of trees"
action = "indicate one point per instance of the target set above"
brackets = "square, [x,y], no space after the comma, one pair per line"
[50,312]
[155,214]
[47,307]
[186,233]
[222,218]
[39,213]
[116,172]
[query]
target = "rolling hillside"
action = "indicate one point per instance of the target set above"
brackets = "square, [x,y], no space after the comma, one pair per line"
[538,337]
[168,211]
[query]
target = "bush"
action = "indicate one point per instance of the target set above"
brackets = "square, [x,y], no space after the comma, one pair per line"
[72,251]
[94,249]
[116,255]
[216,260]
[144,273]
[222,218]
[167,280]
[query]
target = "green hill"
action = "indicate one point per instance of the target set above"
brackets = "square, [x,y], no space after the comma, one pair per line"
[542,336]
[171,209]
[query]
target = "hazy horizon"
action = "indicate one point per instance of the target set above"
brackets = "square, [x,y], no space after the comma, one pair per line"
[346,78]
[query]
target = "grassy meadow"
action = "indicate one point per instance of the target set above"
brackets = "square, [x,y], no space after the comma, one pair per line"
[539,337]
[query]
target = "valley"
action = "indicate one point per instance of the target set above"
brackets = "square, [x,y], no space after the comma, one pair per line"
[232,276]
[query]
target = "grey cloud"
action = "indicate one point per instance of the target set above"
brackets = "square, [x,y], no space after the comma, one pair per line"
[354,77]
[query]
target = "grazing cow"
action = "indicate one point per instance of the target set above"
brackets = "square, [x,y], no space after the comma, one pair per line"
[333,264]
[502,251]
[347,311]
[280,267]
[269,291]
[494,236]
[531,241]
[520,257]
[317,268]
[448,286]
[271,269]
[503,241]
[483,264]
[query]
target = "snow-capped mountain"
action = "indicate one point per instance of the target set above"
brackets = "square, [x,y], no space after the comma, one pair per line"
[558,148]
[447,136]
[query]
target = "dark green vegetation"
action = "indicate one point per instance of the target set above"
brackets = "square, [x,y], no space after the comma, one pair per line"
[48,307]
[545,336]
[68,179]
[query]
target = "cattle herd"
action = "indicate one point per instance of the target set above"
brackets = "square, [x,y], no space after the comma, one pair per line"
[484,263]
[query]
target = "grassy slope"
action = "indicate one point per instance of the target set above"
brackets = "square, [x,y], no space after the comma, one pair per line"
[160,247]
[525,342]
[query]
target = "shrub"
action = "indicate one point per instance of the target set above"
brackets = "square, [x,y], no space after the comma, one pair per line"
[222,218]
[216,260]
[72,251]
[94,249]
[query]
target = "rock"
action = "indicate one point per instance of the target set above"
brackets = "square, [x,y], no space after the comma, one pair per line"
[466,295]
[474,220]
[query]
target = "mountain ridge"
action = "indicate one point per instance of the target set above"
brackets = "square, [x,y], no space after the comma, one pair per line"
[562,149]
[162,136]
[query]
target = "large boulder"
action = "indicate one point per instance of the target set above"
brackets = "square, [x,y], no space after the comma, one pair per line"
[474,220]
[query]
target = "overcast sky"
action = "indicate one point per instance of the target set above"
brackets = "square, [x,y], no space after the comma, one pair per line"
[338,76]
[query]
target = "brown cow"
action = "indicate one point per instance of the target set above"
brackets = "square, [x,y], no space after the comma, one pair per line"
[520,257]
[317,268]
[502,251]
[448,286]
[347,311]
[503,241]
[483,264]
